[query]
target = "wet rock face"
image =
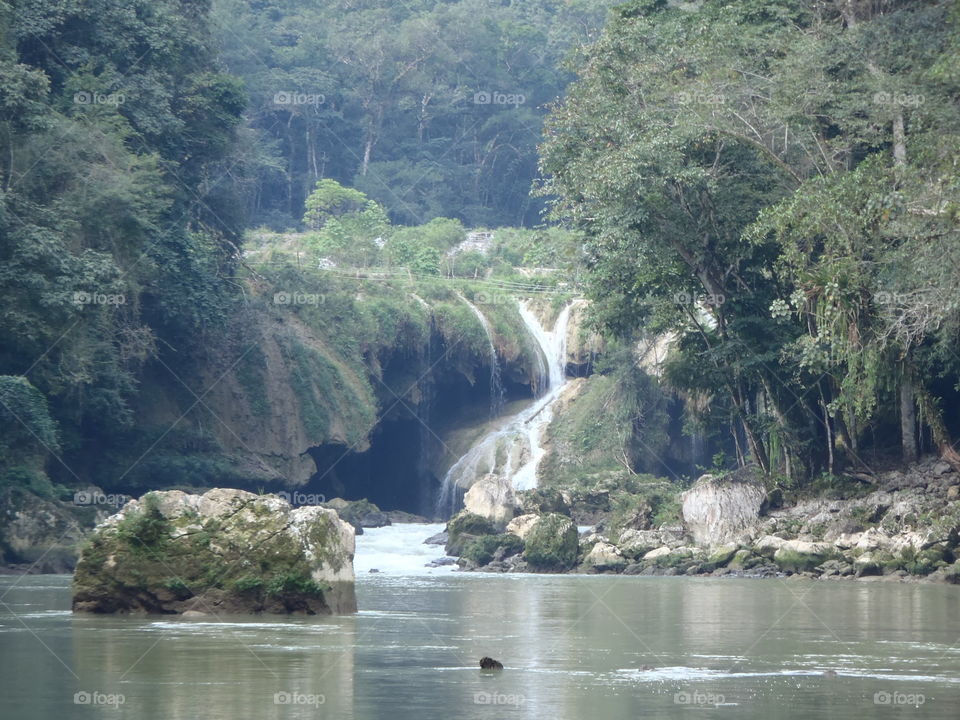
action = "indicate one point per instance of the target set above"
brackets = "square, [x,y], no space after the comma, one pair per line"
[226,551]
[717,511]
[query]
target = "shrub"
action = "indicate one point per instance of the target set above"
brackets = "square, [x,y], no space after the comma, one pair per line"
[552,543]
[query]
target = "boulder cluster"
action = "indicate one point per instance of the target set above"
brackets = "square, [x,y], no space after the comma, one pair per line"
[894,525]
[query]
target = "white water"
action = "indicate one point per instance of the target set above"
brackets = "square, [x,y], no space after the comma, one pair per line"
[496,387]
[513,450]
[399,550]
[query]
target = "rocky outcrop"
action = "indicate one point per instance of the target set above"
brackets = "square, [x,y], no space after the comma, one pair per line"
[720,510]
[583,344]
[43,535]
[551,544]
[492,497]
[226,551]
[604,557]
[465,527]
[359,513]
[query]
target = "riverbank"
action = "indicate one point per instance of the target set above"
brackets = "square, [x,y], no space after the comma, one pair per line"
[898,525]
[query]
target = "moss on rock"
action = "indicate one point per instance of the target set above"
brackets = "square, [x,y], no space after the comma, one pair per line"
[552,543]
[226,551]
[481,550]
[464,528]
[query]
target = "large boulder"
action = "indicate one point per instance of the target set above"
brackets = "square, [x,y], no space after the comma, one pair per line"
[552,544]
[359,513]
[605,557]
[801,555]
[465,527]
[717,511]
[226,551]
[492,497]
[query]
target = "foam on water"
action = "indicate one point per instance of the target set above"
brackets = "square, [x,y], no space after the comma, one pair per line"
[399,550]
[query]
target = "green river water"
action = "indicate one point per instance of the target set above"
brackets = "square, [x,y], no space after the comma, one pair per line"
[573,647]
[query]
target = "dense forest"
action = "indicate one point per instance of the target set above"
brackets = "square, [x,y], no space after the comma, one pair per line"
[775,185]
[772,185]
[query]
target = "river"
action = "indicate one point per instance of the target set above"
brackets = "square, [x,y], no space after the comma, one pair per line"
[573,646]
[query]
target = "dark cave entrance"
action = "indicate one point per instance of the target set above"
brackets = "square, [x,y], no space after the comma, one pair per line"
[398,470]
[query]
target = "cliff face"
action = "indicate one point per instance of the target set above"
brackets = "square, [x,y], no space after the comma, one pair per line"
[290,382]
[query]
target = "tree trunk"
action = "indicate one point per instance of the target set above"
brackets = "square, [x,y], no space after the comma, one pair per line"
[938,429]
[908,419]
[899,140]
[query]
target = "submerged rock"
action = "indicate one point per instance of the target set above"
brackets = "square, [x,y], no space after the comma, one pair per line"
[439,539]
[226,551]
[487,663]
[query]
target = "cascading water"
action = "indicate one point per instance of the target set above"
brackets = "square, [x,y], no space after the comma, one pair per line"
[496,386]
[512,452]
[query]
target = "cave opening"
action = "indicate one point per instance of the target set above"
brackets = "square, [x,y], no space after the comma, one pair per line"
[402,469]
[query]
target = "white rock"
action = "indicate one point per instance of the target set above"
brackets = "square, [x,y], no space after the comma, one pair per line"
[492,497]
[768,545]
[605,555]
[522,524]
[717,511]
[659,552]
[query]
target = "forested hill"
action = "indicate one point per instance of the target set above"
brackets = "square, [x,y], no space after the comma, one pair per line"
[430,108]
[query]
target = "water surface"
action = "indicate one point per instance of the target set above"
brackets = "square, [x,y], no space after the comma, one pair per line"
[573,646]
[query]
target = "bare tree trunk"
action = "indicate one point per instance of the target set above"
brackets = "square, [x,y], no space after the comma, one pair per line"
[908,419]
[899,140]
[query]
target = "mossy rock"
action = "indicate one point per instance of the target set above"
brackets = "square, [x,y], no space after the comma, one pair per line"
[741,560]
[720,556]
[226,551]
[799,556]
[483,549]
[464,528]
[552,544]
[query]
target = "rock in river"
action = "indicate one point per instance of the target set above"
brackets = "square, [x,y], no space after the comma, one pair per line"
[226,551]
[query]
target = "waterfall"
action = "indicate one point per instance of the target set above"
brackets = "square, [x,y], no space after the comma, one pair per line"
[496,386]
[513,451]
